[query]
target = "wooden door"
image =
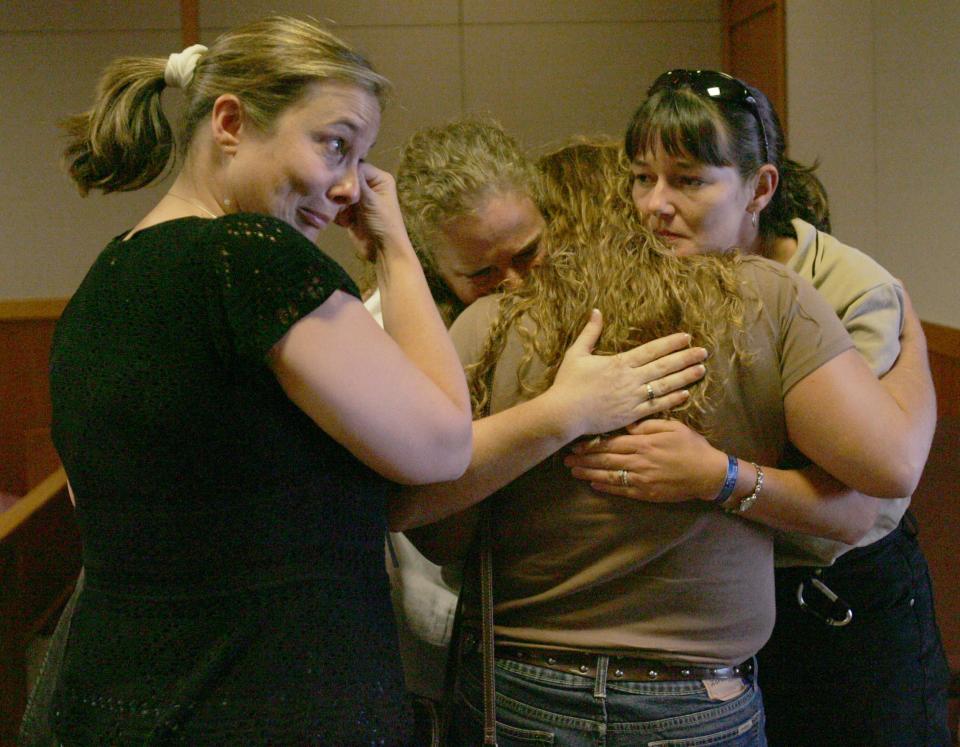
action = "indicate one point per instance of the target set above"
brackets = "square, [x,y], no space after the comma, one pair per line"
[755,48]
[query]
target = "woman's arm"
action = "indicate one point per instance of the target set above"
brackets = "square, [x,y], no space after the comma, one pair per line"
[910,383]
[840,416]
[339,367]
[591,394]
[397,401]
[409,313]
[667,461]
[868,434]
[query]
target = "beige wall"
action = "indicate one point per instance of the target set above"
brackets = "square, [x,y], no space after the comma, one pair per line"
[872,90]
[547,68]
[870,84]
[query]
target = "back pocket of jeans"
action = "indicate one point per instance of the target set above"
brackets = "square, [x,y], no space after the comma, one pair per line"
[507,736]
[747,734]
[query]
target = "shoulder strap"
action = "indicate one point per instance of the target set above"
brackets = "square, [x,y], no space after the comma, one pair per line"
[486,640]
[486,602]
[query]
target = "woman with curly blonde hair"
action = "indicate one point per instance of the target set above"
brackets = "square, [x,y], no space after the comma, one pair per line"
[584,198]
[467,192]
[637,622]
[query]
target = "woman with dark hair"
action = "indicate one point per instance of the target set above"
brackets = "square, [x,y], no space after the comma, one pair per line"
[630,622]
[855,657]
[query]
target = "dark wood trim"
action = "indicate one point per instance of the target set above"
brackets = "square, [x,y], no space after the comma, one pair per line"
[942,339]
[32,308]
[755,47]
[738,11]
[26,451]
[943,346]
[34,584]
[189,22]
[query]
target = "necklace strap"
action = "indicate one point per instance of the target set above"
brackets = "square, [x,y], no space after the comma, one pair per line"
[196,203]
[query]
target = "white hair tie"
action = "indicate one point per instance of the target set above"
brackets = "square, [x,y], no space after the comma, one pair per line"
[180,66]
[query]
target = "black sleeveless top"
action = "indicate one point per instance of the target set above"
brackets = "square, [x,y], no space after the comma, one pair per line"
[235,590]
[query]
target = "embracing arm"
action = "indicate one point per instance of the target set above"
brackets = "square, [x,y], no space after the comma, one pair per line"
[910,383]
[840,416]
[667,461]
[590,394]
[369,396]
[873,436]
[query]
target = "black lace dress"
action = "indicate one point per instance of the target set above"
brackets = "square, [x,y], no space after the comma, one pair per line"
[235,589]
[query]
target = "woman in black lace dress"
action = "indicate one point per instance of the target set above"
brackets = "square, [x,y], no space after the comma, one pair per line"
[235,591]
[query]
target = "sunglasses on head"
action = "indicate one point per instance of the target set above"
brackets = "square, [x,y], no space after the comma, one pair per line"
[714,85]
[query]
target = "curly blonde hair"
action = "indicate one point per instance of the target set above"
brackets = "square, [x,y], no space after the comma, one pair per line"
[448,171]
[600,255]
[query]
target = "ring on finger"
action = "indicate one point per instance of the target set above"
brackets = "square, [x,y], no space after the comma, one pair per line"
[650,393]
[623,476]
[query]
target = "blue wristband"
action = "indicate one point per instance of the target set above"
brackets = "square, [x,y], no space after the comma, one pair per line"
[730,482]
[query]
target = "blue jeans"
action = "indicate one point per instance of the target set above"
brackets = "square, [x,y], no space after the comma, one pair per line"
[536,705]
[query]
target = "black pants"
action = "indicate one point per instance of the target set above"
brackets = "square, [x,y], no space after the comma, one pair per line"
[881,680]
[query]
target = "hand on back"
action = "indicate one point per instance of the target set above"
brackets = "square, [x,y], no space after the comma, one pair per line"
[667,461]
[607,392]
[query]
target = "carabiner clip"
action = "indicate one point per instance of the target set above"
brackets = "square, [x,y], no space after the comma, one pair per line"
[838,612]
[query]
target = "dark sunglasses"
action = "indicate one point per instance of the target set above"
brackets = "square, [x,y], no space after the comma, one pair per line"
[714,85]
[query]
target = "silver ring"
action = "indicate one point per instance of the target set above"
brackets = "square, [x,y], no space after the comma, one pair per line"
[624,481]
[650,393]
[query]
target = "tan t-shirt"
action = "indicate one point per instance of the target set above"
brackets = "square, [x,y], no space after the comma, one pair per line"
[869,302]
[683,582]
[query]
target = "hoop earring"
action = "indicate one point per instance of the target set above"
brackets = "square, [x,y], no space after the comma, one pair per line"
[753,219]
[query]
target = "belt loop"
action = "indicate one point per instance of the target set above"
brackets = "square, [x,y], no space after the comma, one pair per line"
[600,683]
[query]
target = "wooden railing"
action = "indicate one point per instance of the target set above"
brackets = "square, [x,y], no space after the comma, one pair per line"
[39,564]
[26,451]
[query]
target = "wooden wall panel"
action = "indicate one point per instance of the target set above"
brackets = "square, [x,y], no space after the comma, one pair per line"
[754,47]
[39,564]
[943,344]
[935,500]
[26,331]
[189,22]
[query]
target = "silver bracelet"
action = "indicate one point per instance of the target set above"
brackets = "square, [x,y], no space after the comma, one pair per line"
[749,500]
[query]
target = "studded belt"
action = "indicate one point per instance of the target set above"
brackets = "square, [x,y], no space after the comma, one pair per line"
[625,668]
